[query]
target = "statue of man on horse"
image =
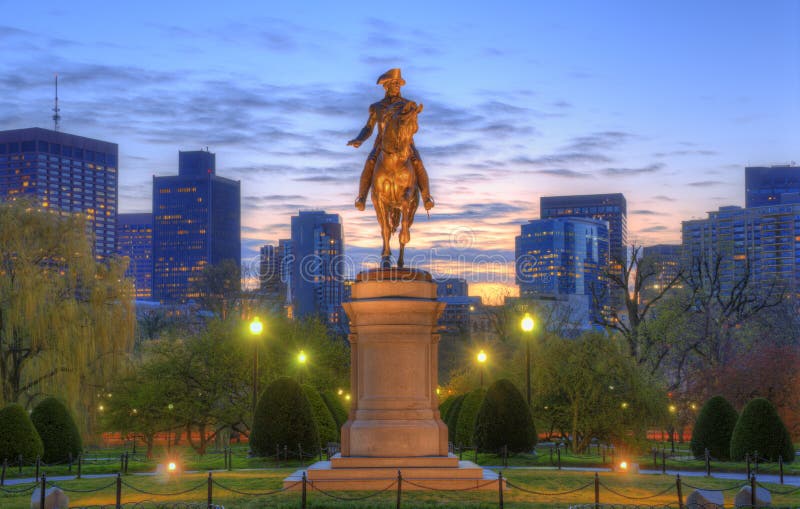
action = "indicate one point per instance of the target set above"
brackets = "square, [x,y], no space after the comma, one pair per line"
[393,169]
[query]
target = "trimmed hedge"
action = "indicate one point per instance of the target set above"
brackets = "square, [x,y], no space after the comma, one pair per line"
[57,429]
[336,407]
[504,420]
[18,436]
[451,419]
[760,429]
[713,429]
[326,425]
[283,418]
[465,427]
[444,406]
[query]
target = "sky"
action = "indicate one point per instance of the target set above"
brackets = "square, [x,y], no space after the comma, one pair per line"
[665,102]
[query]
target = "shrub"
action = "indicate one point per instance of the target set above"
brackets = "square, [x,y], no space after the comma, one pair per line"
[713,429]
[57,429]
[465,427]
[760,429]
[18,436]
[452,417]
[444,406]
[283,418]
[504,419]
[335,405]
[326,426]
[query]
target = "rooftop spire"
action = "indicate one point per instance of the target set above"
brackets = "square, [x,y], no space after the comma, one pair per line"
[56,109]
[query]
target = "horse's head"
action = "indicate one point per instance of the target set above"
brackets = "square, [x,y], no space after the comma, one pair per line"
[400,125]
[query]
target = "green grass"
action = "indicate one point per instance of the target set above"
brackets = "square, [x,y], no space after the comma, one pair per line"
[547,482]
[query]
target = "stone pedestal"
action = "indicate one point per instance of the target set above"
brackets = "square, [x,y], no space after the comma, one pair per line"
[394,422]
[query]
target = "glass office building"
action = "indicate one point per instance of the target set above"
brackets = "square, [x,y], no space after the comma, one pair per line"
[196,222]
[769,185]
[135,240]
[64,172]
[564,256]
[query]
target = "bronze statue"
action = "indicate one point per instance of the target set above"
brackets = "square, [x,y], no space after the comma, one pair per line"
[394,168]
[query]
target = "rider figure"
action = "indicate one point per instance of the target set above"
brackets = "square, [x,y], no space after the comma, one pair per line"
[391,81]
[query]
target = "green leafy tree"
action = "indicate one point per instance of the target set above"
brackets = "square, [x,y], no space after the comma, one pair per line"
[504,420]
[66,321]
[465,427]
[451,419]
[219,288]
[283,418]
[336,408]
[444,406]
[593,389]
[58,431]
[713,429]
[18,437]
[326,425]
[760,430]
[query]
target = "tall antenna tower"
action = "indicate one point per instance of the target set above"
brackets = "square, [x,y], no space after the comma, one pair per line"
[56,109]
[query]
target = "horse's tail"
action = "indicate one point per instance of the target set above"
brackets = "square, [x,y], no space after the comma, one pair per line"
[395,219]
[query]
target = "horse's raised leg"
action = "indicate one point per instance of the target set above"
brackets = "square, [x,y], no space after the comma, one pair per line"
[382,212]
[409,209]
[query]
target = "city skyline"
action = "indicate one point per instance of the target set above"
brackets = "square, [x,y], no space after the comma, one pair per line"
[664,103]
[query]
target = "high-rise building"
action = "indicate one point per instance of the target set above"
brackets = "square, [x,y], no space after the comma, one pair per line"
[608,207]
[64,172]
[196,222]
[762,243]
[454,292]
[770,185]
[135,240]
[565,256]
[317,267]
[666,260]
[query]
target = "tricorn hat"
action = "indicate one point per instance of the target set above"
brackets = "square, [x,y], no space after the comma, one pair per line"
[391,74]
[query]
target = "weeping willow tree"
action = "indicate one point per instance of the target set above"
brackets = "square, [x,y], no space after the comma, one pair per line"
[66,321]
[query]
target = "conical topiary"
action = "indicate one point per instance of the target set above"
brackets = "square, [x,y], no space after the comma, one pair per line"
[326,426]
[444,406]
[504,420]
[713,429]
[18,437]
[760,430]
[465,426]
[283,418]
[335,405]
[451,419]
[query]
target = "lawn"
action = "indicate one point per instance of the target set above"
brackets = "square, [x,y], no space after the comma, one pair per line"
[252,486]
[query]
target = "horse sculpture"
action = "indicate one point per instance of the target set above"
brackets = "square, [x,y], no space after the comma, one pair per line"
[394,182]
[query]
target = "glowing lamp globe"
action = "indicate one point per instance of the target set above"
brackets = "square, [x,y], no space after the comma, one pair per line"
[527,323]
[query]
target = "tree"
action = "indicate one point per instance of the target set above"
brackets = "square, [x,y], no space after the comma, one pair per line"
[283,418]
[504,420]
[593,389]
[465,426]
[219,288]
[336,408]
[634,281]
[66,321]
[760,431]
[18,437]
[714,428]
[451,419]
[57,429]
[326,425]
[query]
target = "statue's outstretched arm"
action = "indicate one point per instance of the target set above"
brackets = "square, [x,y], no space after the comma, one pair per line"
[366,132]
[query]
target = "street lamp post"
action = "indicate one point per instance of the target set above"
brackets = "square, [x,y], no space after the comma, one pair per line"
[527,325]
[482,361]
[256,328]
[302,358]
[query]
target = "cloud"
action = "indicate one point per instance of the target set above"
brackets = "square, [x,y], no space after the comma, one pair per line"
[645,212]
[563,158]
[706,183]
[618,172]
[561,172]
[678,153]
[604,140]
[654,229]
[662,197]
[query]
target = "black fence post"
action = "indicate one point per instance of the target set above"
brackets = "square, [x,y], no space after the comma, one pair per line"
[69,461]
[604,455]
[500,489]
[755,463]
[278,454]
[780,467]
[558,452]
[44,488]
[37,470]
[747,460]
[303,495]
[5,465]
[655,457]
[19,462]
[596,491]
[210,491]
[119,491]
[680,491]
[613,450]
[708,463]
[286,453]
[230,459]
[80,463]
[126,462]
[399,488]
[122,462]
[663,461]
[551,455]
[753,491]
